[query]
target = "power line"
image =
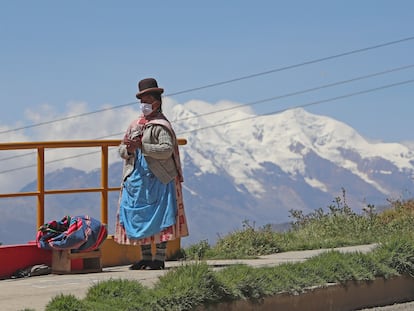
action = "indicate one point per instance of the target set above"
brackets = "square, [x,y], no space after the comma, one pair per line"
[17,156]
[48,162]
[257,116]
[305,105]
[274,98]
[64,119]
[299,92]
[285,95]
[295,65]
[223,82]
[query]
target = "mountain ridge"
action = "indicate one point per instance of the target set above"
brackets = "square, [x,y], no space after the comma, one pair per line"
[254,170]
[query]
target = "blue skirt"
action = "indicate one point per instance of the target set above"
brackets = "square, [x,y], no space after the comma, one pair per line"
[147,205]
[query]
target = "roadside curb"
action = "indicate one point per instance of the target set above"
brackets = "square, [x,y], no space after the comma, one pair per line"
[352,295]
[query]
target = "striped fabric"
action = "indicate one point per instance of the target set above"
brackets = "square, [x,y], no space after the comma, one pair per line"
[81,233]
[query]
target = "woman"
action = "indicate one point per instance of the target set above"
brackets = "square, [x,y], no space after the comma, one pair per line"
[151,206]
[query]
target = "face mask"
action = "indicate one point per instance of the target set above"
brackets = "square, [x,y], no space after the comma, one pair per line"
[146,109]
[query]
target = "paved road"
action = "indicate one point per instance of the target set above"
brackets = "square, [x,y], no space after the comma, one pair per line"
[36,292]
[409,306]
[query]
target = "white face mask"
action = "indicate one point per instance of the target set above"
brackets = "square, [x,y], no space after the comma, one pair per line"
[146,109]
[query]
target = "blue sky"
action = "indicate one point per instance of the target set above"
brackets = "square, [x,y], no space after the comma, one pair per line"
[56,53]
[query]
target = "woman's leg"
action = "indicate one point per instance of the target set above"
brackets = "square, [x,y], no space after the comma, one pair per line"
[146,259]
[159,259]
[146,253]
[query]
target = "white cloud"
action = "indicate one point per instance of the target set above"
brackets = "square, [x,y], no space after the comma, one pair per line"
[75,122]
[20,165]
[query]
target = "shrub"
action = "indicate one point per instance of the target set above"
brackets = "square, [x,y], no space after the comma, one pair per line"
[397,252]
[243,282]
[185,288]
[248,242]
[66,302]
[116,294]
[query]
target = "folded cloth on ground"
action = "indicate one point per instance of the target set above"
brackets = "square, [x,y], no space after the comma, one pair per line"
[78,233]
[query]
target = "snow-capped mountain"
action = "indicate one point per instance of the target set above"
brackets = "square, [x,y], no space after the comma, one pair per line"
[260,168]
[238,167]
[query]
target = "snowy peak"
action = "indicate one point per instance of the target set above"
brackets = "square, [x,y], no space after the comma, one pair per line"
[226,139]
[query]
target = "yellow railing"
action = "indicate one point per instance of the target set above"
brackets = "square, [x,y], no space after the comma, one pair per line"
[41,191]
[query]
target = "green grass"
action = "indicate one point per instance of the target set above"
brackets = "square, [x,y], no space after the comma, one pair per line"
[192,285]
[116,295]
[336,226]
[66,302]
[186,287]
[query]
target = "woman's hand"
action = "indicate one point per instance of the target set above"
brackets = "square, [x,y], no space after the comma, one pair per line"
[132,144]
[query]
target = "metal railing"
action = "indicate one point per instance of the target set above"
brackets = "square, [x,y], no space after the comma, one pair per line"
[42,192]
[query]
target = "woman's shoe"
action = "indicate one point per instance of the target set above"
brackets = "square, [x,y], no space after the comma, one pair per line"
[142,265]
[158,265]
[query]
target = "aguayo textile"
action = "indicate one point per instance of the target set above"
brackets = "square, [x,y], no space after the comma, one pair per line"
[81,233]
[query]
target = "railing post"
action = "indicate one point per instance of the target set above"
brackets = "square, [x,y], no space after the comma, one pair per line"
[40,186]
[104,185]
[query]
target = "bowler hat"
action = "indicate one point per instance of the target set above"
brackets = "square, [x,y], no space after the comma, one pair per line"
[148,85]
